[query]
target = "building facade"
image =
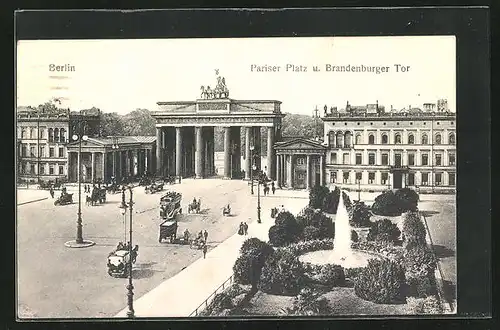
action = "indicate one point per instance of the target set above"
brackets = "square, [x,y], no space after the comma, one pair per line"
[42,137]
[376,150]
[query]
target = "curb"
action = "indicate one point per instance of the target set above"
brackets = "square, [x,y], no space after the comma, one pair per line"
[33,201]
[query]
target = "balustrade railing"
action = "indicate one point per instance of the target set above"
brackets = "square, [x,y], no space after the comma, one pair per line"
[204,305]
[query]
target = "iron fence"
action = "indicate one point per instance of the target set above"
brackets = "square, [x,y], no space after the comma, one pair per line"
[204,305]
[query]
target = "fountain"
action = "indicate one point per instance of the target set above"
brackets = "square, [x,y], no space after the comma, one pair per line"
[342,253]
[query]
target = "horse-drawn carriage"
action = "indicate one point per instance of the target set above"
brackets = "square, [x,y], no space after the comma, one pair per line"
[113,188]
[197,243]
[98,196]
[226,210]
[145,181]
[170,205]
[119,261]
[169,179]
[168,230]
[64,199]
[194,206]
[153,188]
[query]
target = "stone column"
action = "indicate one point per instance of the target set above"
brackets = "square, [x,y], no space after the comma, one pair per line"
[227,152]
[199,153]
[159,164]
[321,170]
[308,172]
[278,170]
[178,151]
[290,172]
[135,162]
[271,166]
[248,160]
[103,173]
[92,161]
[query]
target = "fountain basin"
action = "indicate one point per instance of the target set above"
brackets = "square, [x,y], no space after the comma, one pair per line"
[350,259]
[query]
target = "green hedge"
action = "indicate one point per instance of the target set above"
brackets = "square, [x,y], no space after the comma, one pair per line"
[391,203]
[248,266]
[414,231]
[282,274]
[384,231]
[359,215]
[285,231]
[309,217]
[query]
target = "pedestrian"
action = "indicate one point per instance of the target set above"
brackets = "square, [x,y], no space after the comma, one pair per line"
[205,235]
[240,230]
[273,188]
[180,179]
[51,192]
[245,228]
[204,251]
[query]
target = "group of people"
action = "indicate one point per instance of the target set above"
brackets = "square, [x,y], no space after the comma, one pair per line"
[243,230]
[266,188]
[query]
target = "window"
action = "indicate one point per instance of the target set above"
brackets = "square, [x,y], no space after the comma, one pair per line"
[411,179]
[32,133]
[51,135]
[397,138]
[438,159]
[371,159]
[371,177]
[24,150]
[359,176]
[32,169]
[61,152]
[348,140]
[397,160]
[358,159]
[451,159]
[42,133]
[384,139]
[56,135]
[62,132]
[425,159]
[51,169]
[61,170]
[23,133]
[42,169]
[411,159]
[451,138]
[51,152]
[451,179]
[32,151]
[23,168]
[358,139]
[345,177]
[425,179]
[42,151]
[345,158]
[438,139]
[333,158]
[333,177]
[437,181]
[340,139]
[371,139]
[385,178]
[385,159]
[425,140]
[411,139]
[300,160]
[331,138]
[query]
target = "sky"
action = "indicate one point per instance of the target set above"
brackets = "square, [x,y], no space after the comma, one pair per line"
[123,75]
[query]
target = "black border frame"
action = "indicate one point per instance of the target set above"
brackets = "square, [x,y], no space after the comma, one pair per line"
[470,25]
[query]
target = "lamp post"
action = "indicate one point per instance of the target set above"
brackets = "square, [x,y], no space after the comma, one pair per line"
[130,287]
[252,166]
[258,195]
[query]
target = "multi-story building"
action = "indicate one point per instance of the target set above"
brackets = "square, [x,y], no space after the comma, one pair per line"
[42,136]
[370,149]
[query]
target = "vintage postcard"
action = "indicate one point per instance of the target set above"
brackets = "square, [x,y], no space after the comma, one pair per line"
[287,176]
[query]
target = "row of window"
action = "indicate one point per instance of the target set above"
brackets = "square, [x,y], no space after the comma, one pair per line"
[384,178]
[344,139]
[54,134]
[32,151]
[52,168]
[424,161]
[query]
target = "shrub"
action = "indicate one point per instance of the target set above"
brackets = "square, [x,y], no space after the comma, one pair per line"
[384,231]
[421,286]
[331,201]
[317,196]
[359,215]
[278,236]
[311,233]
[419,261]
[224,300]
[282,274]
[243,269]
[289,223]
[408,198]
[386,249]
[248,266]
[329,274]
[309,302]
[413,229]
[354,236]
[317,219]
[381,281]
[309,246]
[429,305]
[352,272]
[255,246]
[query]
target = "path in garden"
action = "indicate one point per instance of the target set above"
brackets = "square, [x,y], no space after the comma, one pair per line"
[180,295]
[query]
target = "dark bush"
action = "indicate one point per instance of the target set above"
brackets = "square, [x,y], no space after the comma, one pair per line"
[308,303]
[248,266]
[408,198]
[224,300]
[331,201]
[381,281]
[359,215]
[422,286]
[243,269]
[352,272]
[286,230]
[419,261]
[317,219]
[317,195]
[310,246]
[311,232]
[384,231]
[282,274]
[255,246]
[329,275]
[354,236]
[278,236]
[413,229]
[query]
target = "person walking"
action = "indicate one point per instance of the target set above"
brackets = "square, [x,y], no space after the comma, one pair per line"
[241,230]
[273,188]
[205,236]
[51,191]
[204,251]
[180,179]
[245,228]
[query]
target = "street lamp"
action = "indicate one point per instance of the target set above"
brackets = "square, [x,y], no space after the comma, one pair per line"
[252,166]
[130,287]
[258,195]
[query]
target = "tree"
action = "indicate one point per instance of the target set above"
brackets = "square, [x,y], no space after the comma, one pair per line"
[112,124]
[139,122]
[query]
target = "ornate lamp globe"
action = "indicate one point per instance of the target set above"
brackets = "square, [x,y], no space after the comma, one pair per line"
[85,138]
[74,137]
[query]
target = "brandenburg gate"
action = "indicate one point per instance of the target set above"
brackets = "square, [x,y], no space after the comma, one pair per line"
[185,133]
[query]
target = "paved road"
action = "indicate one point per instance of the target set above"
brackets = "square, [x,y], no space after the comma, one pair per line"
[55,281]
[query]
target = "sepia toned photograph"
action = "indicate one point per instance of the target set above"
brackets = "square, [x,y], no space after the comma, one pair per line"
[236,177]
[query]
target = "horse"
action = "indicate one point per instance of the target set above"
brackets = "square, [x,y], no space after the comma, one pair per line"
[194,206]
